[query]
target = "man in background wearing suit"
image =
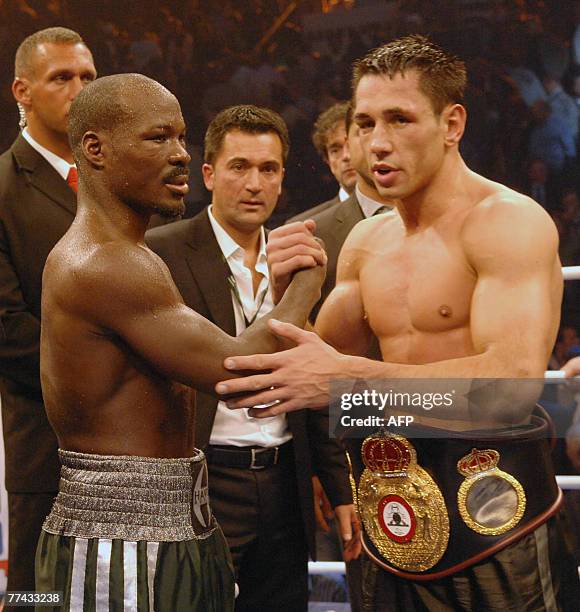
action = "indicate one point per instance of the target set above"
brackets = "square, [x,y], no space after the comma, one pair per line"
[259,471]
[334,223]
[36,208]
[329,138]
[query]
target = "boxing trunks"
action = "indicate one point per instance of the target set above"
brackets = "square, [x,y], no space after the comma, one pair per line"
[134,533]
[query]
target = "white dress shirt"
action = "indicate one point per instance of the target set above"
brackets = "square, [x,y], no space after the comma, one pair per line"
[58,163]
[237,427]
[368,205]
[343,194]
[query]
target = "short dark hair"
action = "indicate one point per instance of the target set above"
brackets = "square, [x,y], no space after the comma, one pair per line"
[57,36]
[443,77]
[244,118]
[326,121]
[101,106]
[348,117]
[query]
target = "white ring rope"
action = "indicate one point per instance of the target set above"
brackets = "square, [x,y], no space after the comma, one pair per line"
[566,482]
[571,272]
[555,374]
[326,567]
[333,567]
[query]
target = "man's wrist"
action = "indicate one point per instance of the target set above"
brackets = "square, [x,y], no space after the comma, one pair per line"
[362,368]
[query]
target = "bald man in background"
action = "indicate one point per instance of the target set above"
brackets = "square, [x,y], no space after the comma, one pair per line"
[37,205]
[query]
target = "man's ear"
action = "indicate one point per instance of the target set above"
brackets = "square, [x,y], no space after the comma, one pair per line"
[21,91]
[92,146]
[454,118]
[208,173]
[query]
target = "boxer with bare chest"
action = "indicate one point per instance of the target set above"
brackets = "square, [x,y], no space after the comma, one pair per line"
[463,283]
[119,354]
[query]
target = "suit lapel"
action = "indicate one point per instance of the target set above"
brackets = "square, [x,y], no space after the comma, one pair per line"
[42,176]
[348,214]
[205,260]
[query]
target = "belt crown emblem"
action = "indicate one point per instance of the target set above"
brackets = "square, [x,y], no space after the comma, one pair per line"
[478,461]
[388,455]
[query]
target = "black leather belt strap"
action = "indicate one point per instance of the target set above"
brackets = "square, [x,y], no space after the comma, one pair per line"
[248,457]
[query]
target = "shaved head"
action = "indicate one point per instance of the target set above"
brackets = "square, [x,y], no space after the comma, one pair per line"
[127,135]
[107,103]
[24,61]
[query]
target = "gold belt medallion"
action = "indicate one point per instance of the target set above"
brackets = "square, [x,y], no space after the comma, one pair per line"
[490,501]
[402,509]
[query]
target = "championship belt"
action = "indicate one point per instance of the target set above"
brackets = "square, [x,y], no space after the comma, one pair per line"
[401,507]
[477,492]
[490,501]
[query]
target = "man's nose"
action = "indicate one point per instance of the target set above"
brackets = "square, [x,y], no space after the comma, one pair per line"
[253,180]
[180,156]
[381,143]
[76,84]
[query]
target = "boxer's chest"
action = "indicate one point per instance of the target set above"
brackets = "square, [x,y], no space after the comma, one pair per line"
[421,285]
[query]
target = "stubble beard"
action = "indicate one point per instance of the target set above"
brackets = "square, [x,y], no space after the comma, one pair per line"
[170,212]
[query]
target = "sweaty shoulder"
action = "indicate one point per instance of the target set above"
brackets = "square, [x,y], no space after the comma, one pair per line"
[117,278]
[372,228]
[506,224]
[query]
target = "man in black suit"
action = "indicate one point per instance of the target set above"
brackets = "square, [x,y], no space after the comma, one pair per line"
[36,208]
[334,223]
[259,471]
[329,138]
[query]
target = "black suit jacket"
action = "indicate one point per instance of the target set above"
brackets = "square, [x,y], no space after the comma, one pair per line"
[307,214]
[36,209]
[190,250]
[333,225]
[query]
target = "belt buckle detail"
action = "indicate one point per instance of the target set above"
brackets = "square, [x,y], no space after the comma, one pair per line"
[255,453]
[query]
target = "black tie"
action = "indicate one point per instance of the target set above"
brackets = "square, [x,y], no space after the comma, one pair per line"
[381,210]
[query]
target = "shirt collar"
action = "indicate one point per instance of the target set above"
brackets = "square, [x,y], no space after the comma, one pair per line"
[58,163]
[368,205]
[229,247]
[343,194]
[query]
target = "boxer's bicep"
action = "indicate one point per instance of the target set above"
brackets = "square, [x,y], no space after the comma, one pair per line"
[131,294]
[180,344]
[512,247]
[341,320]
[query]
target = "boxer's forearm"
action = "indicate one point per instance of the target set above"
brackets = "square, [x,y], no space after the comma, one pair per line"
[294,307]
